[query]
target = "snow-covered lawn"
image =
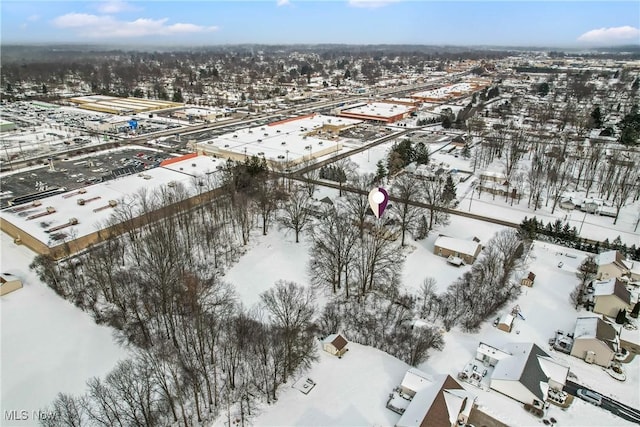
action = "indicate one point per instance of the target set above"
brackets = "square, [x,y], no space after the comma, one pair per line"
[270,258]
[351,391]
[47,345]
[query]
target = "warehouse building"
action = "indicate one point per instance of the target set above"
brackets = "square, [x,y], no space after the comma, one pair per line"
[282,144]
[69,222]
[120,106]
[385,112]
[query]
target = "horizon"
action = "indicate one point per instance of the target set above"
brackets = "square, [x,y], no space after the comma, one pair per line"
[197,24]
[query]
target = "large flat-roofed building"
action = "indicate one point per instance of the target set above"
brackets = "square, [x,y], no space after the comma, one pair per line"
[386,112]
[284,143]
[449,92]
[66,223]
[114,105]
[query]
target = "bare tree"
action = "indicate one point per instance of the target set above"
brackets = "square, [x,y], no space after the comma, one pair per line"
[295,213]
[291,309]
[404,191]
[432,190]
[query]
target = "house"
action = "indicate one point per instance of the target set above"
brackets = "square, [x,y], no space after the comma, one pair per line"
[525,372]
[467,250]
[9,283]
[528,281]
[595,341]
[505,323]
[610,297]
[442,402]
[611,264]
[335,344]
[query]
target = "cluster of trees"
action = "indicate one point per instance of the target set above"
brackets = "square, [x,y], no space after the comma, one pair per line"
[405,152]
[630,127]
[159,285]
[561,233]
[384,321]
[478,293]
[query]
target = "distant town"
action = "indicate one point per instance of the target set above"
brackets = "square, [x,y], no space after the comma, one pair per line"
[320,235]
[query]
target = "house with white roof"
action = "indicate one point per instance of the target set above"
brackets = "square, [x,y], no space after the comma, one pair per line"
[467,250]
[525,373]
[611,264]
[610,296]
[595,341]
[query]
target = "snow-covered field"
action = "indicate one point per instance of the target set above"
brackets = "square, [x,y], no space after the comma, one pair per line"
[351,391]
[270,258]
[47,345]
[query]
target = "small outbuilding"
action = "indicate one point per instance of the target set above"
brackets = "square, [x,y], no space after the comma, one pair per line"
[335,344]
[9,283]
[505,323]
[528,281]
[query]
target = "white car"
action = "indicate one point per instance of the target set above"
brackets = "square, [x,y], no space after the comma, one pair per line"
[589,396]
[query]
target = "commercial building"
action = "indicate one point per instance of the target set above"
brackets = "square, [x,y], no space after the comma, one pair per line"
[385,112]
[282,144]
[114,105]
[66,223]
[450,92]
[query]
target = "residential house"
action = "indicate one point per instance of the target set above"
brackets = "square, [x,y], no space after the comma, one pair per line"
[611,264]
[442,402]
[610,297]
[595,341]
[525,373]
[335,344]
[9,283]
[467,250]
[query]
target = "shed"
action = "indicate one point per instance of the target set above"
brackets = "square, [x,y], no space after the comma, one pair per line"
[335,344]
[506,323]
[9,283]
[528,281]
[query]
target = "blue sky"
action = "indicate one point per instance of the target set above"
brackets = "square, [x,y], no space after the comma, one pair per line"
[505,23]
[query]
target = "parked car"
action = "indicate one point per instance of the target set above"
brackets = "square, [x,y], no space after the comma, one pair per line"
[589,396]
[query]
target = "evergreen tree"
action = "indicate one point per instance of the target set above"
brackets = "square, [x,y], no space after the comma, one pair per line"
[449,191]
[446,122]
[177,96]
[381,171]
[596,117]
[621,318]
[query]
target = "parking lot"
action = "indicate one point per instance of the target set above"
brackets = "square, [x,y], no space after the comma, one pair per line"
[79,171]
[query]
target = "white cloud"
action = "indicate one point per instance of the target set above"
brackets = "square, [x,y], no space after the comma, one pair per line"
[283,3]
[371,4]
[108,27]
[33,18]
[611,35]
[115,6]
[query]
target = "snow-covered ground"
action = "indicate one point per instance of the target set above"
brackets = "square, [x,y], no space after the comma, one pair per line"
[47,345]
[351,391]
[270,258]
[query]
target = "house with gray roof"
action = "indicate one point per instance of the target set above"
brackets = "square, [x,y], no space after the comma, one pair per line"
[610,296]
[526,373]
[595,341]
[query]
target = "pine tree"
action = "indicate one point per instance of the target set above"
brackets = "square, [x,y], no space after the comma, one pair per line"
[621,317]
[449,191]
[381,171]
